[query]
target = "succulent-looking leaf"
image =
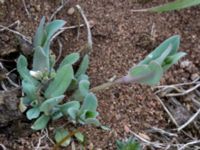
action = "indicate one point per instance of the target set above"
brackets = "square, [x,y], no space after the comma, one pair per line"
[176,5]
[23,71]
[60,135]
[48,105]
[163,56]
[61,82]
[57,115]
[146,74]
[70,109]
[130,144]
[93,121]
[70,59]
[53,27]
[41,122]
[79,136]
[172,60]
[40,60]
[39,34]
[33,113]
[174,41]
[83,66]
[29,89]
[84,87]
[89,103]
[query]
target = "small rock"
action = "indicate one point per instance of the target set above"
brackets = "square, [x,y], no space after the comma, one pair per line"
[194,76]
[2,1]
[185,64]
[38,8]
[71,11]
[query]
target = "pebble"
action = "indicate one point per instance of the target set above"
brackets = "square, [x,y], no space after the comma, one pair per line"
[71,11]
[185,64]
[194,76]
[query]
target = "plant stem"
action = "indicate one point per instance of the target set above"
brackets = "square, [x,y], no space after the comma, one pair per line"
[103,86]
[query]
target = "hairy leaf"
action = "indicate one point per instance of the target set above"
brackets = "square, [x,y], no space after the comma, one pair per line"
[38,39]
[174,41]
[60,135]
[176,5]
[29,89]
[53,27]
[33,113]
[70,59]
[48,105]
[83,66]
[23,70]
[40,60]
[89,103]
[61,82]
[146,74]
[41,122]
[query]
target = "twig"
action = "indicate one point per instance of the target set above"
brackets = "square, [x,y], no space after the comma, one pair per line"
[63,3]
[184,92]
[189,121]
[28,13]
[17,33]
[89,37]
[187,144]
[154,144]
[168,112]
[3,147]
[164,132]
[63,29]
[11,25]
[60,50]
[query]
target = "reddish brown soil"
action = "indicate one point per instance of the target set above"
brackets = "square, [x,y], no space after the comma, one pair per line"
[121,38]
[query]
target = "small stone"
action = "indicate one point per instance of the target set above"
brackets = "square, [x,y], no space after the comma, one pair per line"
[185,64]
[71,11]
[194,76]
[2,1]
[38,8]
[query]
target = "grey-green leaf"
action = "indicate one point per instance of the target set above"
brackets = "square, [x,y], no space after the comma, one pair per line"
[83,66]
[89,103]
[61,82]
[41,122]
[93,121]
[176,5]
[38,39]
[172,60]
[174,41]
[60,135]
[23,70]
[29,89]
[147,74]
[48,105]
[79,136]
[33,113]
[40,60]
[70,59]
[53,27]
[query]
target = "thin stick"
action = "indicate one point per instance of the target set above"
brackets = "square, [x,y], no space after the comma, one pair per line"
[2,146]
[189,121]
[11,25]
[168,112]
[184,92]
[28,13]
[63,3]
[63,29]
[89,37]
[190,143]
[60,50]
[103,86]
[17,33]
[164,132]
